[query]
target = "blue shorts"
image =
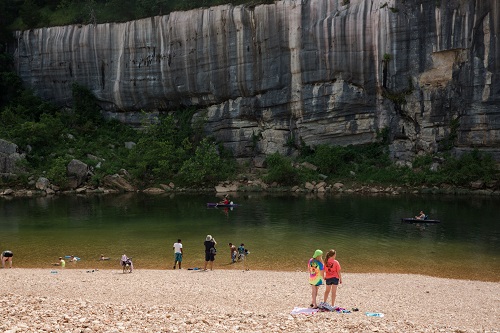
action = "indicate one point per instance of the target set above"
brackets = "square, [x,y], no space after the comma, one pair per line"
[178,256]
[331,281]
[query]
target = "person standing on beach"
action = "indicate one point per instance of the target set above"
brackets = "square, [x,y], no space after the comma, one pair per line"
[332,275]
[6,257]
[242,252]
[178,253]
[316,271]
[210,251]
[233,251]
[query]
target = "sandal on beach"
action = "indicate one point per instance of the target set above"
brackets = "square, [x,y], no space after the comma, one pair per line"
[327,306]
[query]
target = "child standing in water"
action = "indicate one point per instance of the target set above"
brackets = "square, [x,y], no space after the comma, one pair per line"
[332,275]
[316,270]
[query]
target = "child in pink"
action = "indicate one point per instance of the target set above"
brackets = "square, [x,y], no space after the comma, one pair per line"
[332,275]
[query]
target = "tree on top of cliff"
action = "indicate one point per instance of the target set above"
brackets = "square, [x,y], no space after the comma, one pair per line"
[20,15]
[30,13]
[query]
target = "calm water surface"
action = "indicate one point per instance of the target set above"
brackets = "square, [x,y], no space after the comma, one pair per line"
[281,232]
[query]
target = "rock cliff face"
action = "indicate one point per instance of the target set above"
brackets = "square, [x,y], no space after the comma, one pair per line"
[269,77]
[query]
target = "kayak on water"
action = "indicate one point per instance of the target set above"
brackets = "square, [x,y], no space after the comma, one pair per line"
[215,204]
[414,220]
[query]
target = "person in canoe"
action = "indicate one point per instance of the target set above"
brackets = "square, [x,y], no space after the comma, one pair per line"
[420,216]
[225,201]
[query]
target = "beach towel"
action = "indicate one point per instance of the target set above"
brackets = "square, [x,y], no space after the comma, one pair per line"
[298,310]
[341,310]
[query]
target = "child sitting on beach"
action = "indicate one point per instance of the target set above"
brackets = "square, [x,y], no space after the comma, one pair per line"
[315,267]
[61,263]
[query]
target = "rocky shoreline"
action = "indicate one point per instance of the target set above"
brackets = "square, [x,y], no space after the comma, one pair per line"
[78,174]
[320,188]
[73,300]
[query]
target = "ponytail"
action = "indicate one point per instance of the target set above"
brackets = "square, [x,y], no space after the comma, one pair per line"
[329,254]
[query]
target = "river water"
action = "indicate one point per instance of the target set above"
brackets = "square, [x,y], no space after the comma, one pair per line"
[281,232]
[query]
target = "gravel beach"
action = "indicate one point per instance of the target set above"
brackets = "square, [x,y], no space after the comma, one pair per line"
[231,300]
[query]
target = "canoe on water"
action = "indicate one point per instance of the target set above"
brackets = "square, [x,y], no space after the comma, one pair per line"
[215,204]
[414,220]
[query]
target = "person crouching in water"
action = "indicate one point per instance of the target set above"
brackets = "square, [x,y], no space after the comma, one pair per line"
[316,270]
[332,275]
[6,257]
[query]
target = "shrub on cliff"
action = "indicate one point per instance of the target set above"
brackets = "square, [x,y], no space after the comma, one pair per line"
[161,150]
[281,171]
[339,161]
[57,172]
[469,167]
[206,167]
[87,112]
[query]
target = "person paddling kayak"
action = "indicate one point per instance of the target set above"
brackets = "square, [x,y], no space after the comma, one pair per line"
[226,200]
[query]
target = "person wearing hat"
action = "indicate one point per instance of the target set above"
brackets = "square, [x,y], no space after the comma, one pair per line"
[61,262]
[316,268]
[210,251]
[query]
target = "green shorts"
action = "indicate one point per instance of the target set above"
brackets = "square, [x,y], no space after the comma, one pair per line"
[178,257]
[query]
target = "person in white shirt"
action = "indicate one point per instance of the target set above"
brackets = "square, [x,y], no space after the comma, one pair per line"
[178,253]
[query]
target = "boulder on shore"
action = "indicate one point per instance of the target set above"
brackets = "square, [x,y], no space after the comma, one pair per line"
[117,182]
[42,183]
[9,158]
[78,170]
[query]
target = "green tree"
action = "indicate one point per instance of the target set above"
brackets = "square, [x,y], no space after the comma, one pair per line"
[281,170]
[161,150]
[147,8]
[85,106]
[8,13]
[39,134]
[206,167]
[10,86]
[58,171]
[30,13]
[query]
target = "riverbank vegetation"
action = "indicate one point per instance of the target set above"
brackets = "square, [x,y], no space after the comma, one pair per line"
[173,149]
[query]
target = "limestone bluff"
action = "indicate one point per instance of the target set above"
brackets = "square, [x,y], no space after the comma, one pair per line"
[311,71]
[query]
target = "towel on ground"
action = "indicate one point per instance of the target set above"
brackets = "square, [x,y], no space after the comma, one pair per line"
[298,310]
